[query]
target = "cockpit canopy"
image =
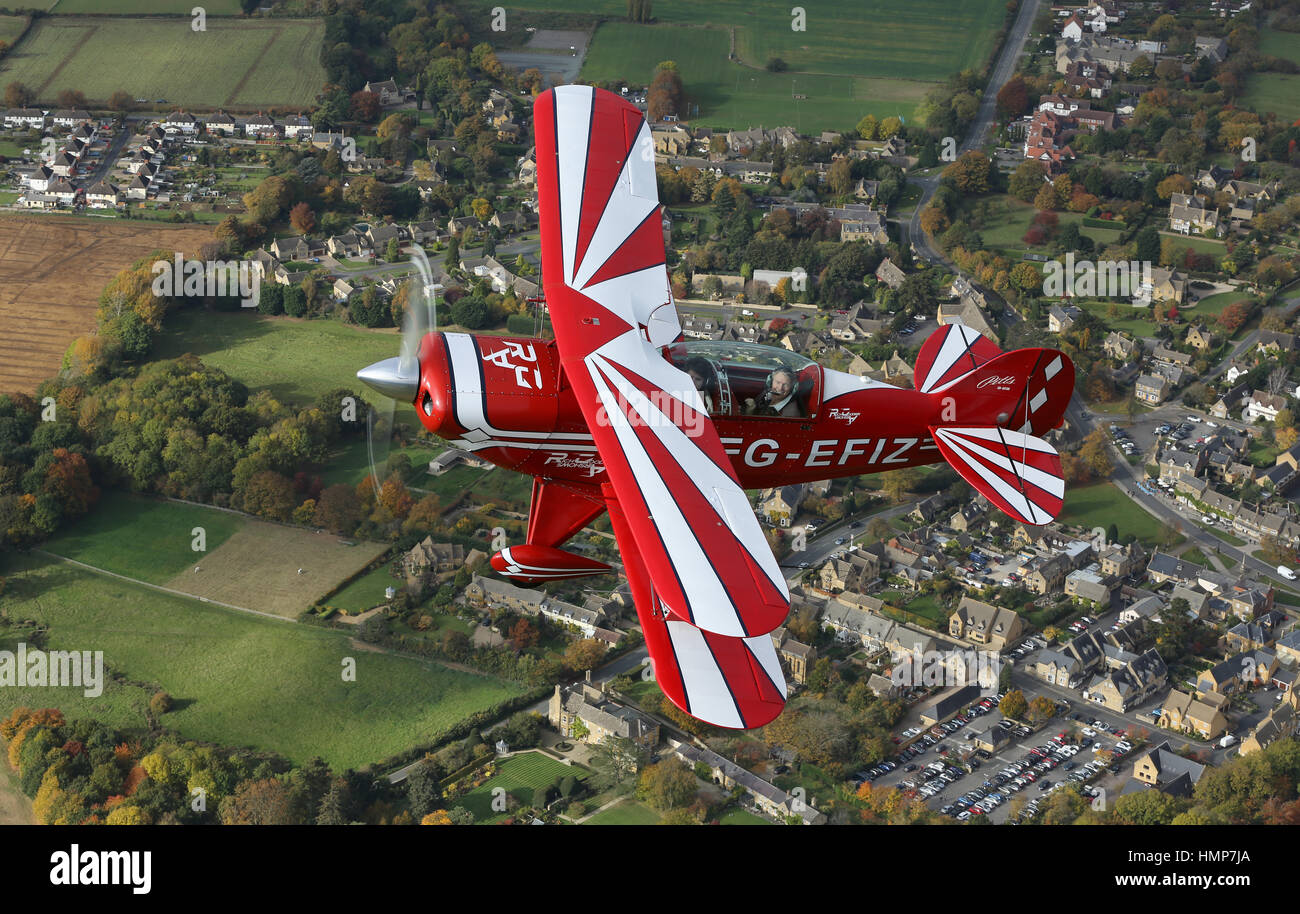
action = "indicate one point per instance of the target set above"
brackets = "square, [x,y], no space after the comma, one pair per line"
[739,379]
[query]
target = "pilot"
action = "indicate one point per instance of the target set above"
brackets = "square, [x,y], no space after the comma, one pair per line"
[703,378]
[778,399]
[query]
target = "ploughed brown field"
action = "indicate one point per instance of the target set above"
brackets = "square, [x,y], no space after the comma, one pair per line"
[52,271]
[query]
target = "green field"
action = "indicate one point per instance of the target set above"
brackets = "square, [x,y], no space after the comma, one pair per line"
[1277,43]
[145,7]
[11,27]
[629,812]
[1274,92]
[238,680]
[296,360]
[351,463]
[1101,504]
[729,95]
[244,62]
[143,538]
[849,60]
[519,775]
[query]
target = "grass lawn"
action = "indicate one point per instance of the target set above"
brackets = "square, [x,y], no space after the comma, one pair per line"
[144,538]
[366,591]
[519,775]
[1276,43]
[928,606]
[351,463]
[742,817]
[629,812]
[1102,504]
[238,680]
[1195,555]
[1213,305]
[1134,321]
[1222,534]
[496,485]
[1005,228]
[1198,244]
[233,62]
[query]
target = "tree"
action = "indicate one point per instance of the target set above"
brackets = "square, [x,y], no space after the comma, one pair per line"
[1093,451]
[1026,180]
[897,483]
[339,509]
[666,94]
[667,785]
[71,98]
[423,788]
[1014,705]
[970,173]
[1041,708]
[270,494]
[260,802]
[18,95]
[1013,97]
[614,760]
[868,126]
[302,218]
[523,635]
[1148,244]
[121,100]
[365,106]
[584,654]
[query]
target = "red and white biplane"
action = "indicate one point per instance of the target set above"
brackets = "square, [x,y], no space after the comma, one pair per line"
[620,413]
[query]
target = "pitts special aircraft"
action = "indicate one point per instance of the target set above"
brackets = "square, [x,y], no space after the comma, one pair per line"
[619,413]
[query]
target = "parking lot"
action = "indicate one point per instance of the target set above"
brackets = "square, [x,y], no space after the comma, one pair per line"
[1087,746]
[1172,426]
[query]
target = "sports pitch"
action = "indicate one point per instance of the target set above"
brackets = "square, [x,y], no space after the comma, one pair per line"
[233,62]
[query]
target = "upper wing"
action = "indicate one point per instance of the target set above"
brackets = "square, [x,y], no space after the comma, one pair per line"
[608,294]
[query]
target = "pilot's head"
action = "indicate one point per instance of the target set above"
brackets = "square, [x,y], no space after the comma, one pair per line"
[700,371]
[782,383]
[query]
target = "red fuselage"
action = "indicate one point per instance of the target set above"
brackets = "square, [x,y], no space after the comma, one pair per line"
[508,400]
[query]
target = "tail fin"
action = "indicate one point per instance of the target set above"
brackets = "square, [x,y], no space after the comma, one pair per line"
[950,353]
[1027,390]
[998,409]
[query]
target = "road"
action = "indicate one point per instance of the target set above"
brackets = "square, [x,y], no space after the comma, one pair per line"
[979,129]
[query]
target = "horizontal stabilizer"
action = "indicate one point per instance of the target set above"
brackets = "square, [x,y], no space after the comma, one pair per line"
[1018,473]
[529,564]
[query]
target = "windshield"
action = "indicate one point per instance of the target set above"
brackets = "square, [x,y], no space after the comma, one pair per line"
[746,379]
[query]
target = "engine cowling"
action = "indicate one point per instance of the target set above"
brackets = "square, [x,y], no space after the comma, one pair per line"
[529,564]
